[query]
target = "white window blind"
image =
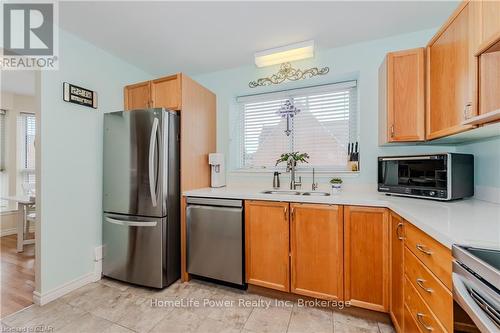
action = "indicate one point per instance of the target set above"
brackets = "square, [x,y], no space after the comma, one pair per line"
[323,127]
[27,126]
[2,140]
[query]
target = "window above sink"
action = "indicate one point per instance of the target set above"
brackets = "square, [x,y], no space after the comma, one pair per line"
[324,125]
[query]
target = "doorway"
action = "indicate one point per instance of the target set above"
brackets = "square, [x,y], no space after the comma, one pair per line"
[19,117]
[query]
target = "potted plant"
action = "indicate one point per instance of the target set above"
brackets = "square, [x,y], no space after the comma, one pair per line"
[296,156]
[336,185]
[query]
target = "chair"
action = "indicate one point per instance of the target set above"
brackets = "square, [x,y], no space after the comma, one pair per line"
[30,216]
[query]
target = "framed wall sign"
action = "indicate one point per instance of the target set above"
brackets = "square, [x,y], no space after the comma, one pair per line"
[79,95]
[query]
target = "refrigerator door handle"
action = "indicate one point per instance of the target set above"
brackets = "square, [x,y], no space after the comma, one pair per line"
[132,223]
[152,149]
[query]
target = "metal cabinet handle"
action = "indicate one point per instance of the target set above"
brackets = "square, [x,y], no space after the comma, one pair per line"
[132,223]
[421,322]
[423,249]
[392,130]
[285,213]
[466,110]
[292,212]
[152,149]
[420,283]
[398,229]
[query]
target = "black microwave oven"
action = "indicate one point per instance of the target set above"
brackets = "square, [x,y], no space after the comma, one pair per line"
[446,176]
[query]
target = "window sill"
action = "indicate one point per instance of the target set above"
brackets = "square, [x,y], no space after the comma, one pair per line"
[299,171]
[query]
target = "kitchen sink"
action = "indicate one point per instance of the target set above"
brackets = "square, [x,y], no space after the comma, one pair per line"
[284,192]
[321,194]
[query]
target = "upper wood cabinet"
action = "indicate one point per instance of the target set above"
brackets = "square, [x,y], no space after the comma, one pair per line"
[267,244]
[489,83]
[317,250]
[396,308]
[489,20]
[402,97]
[366,257]
[451,76]
[137,96]
[165,92]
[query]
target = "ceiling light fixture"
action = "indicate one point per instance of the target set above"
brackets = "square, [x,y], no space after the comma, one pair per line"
[279,55]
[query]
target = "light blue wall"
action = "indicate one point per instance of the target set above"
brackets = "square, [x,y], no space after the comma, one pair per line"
[71,162]
[486,160]
[358,61]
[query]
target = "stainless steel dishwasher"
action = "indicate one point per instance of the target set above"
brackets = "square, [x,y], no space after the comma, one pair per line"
[215,239]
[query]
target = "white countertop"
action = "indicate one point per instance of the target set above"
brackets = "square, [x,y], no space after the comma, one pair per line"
[22,199]
[469,222]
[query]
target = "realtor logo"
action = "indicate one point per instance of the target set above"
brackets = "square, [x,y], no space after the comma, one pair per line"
[29,35]
[28,29]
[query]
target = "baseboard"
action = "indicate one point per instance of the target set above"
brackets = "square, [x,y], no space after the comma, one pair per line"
[42,299]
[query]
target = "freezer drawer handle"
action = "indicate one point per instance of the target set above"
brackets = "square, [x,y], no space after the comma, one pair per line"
[152,148]
[132,223]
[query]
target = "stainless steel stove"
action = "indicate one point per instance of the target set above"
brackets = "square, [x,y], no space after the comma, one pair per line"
[476,285]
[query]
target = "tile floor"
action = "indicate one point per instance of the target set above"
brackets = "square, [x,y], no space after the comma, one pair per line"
[113,307]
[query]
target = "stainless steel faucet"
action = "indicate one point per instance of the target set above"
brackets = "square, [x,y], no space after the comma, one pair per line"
[291,164]
[314,183]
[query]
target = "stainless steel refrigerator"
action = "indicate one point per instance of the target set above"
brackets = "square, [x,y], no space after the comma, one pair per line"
[141,197]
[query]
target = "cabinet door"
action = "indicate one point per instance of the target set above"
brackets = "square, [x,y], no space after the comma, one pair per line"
[366,257]
[317,250]
[490,14]
[137,96]
[450,92]
[405,96]
[267,244]
[166,92]
[397,271]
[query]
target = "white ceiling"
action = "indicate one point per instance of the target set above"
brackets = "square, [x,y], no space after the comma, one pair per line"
[18,82]
[197,37]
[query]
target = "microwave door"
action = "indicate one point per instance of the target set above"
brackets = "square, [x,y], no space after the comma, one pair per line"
[132,173]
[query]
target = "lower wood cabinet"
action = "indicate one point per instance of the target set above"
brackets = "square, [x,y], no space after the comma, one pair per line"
[409,323]
[431,290]
[267,244]
[316,235]
[420,311]
[366,257]
[396,306]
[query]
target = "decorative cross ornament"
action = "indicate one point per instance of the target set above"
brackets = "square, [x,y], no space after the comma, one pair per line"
[288,111]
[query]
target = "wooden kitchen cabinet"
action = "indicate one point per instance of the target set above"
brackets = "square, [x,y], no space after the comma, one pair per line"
[137,96]
[490,20]
[267,244]
[366,257]
[451,91]
[317,250]
[197,130]
[396,306]
[402,96]
[433,292]
[165,92]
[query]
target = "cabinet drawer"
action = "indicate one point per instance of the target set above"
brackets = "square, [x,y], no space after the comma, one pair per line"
[435,294]
[434,255]
[409,323]
[419,311]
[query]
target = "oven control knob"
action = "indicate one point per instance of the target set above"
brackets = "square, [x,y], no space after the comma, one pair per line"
[432,193]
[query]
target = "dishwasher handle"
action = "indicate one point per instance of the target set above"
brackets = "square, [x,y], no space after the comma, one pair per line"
[214,202]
